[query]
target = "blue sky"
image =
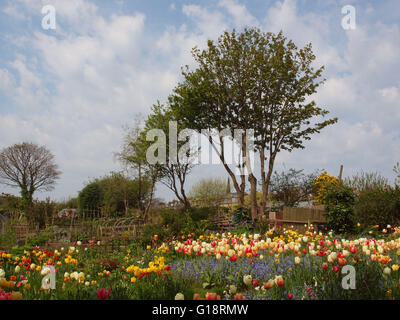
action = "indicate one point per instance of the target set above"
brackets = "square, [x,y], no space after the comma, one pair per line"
[73,89]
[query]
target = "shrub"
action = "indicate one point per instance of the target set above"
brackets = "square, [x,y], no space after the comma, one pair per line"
[321,184]
[91,196]
[8,238]
[39,240]
[364,181]
[339,201]
[378,207]
[240,219]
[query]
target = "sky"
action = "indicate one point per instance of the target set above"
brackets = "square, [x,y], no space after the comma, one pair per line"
[75,88]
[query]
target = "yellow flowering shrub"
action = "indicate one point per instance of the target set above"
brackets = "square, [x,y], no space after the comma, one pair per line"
[320,184]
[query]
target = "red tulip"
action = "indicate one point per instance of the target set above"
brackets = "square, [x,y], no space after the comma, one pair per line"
[335,269]
[239,296]
[255,283]
[290,296]
[103,294]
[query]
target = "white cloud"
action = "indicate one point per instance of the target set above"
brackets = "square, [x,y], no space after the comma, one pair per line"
[239,12]
[78,86]
[210,23]
[390,94]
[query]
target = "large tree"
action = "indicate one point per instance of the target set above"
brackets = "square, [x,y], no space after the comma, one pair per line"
[252,81]
[29,167]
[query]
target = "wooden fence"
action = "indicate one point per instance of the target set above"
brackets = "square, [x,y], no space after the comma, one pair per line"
[304,215]
[297,216]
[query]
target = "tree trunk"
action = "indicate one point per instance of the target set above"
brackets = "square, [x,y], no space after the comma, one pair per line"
[239,189]
[264,189]
[146,211]
[140,188]
[252,179]
[266,179]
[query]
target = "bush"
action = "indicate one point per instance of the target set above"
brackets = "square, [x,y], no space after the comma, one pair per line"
[173,223]
[365,181]
[321,184]
[91,196]
[378,207]
[39,240]
[241,220]
[8,238]
[339,201]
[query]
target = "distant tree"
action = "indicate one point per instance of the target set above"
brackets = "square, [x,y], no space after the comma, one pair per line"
[29,167]
[133,156]
[176,167]
[91,196]
[121,193]
[396,170]
[115,193]
[228,186]
[208,191]
[363,181]
[292,186]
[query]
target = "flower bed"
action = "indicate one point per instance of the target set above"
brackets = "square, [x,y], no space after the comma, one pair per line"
[218,266]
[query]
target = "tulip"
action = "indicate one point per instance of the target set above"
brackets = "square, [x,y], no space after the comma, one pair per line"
[335,269]
[279,281]
[239,296]
[232,289]
[103,294]
[179,296]
[247,280]
[269,284]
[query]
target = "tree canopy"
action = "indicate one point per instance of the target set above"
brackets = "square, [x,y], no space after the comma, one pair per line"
[252,81]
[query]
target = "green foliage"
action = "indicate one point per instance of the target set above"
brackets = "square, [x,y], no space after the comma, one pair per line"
[174,223]
[115,193]
[253,80]
[91,196]
[41,212]
[364,181]
[10,203]
[8,238]
[71,203]
[208,191]
[396,170]
[19,250]
[378,207]
[240,219]
[40,239]
[339,200]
